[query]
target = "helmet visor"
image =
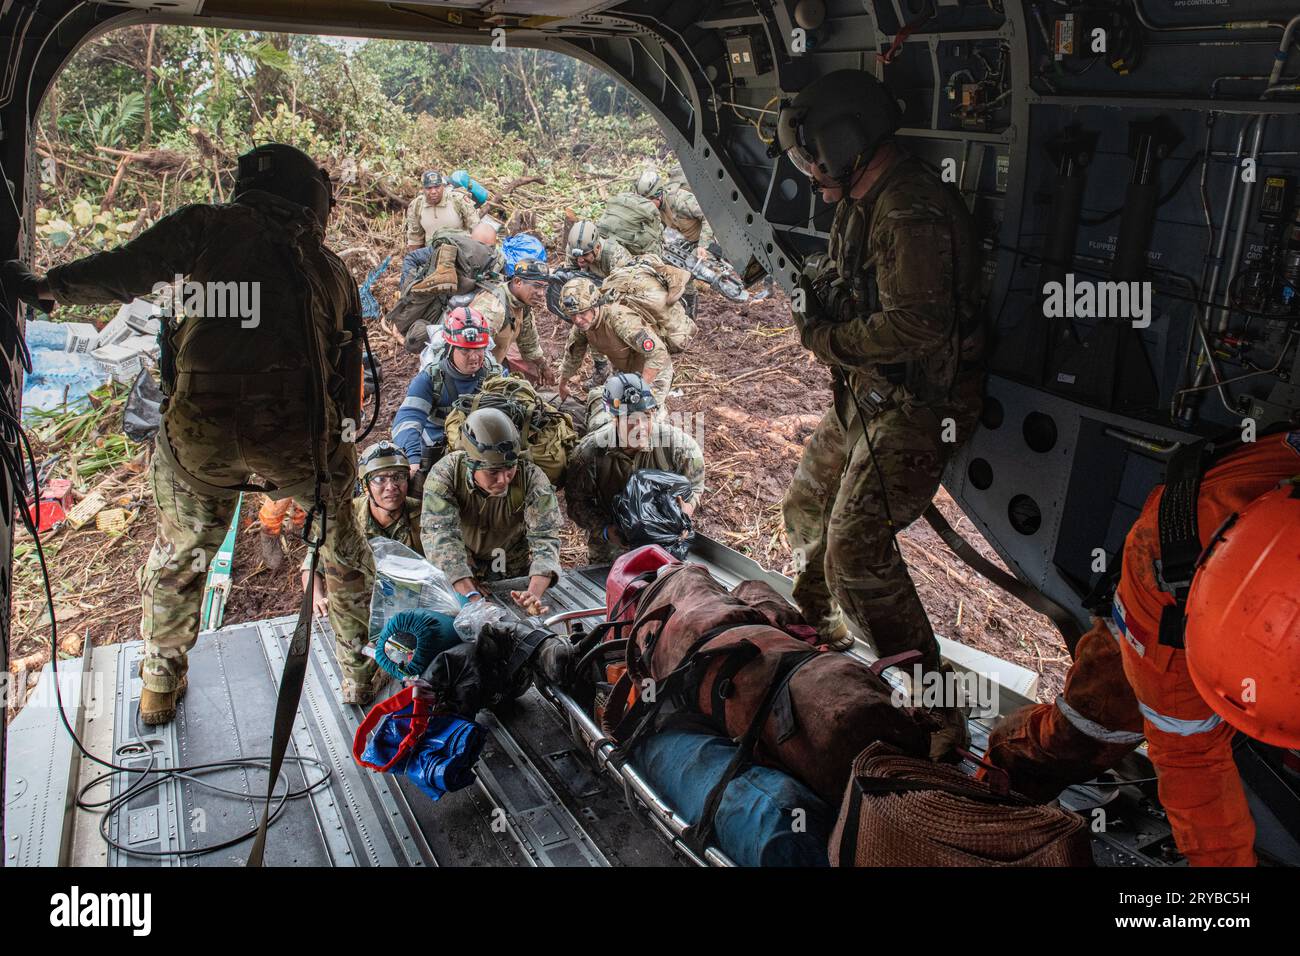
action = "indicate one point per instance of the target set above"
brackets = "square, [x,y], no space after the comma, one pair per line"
[506,449]
[803,161]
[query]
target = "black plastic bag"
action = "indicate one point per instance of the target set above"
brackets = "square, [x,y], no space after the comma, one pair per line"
[647,511]
[142,415]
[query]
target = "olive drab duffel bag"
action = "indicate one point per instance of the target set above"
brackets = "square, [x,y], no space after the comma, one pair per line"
[547,433]
[634,221]
[902,810]
[747,662]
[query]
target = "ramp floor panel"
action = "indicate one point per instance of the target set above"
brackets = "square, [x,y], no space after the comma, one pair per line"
[536,802]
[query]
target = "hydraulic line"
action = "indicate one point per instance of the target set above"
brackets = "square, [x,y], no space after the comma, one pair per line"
[1201,27]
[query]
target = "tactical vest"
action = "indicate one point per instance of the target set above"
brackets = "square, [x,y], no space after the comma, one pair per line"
[486,522]
[850,290]
[602,338]
[439,380]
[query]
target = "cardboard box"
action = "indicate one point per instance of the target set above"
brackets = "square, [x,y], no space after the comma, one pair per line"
[119,362]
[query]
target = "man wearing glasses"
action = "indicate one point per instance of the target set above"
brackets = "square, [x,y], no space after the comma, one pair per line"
[489,513]
[383,511]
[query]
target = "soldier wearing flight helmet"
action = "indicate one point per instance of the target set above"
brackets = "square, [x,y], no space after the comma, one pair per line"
[894,309]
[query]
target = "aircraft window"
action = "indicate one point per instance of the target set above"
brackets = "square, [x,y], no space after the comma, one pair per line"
[1040,432]
[991,415]
[980,473]
[1024,514]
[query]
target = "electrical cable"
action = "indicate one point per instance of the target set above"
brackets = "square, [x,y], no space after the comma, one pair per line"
[17,435]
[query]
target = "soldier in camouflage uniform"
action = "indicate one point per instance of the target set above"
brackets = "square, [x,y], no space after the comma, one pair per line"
[510,307]
[384,511]
[489,513]
[588,251]
[244,394]
[678,208]
[616,330]
[894,310]
[633,439]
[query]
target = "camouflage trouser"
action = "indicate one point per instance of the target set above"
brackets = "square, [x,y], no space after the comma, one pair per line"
[835,519]
[191,527]
[600,551]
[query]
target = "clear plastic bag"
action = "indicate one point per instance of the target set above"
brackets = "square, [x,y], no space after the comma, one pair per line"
[475,616]
[403,581]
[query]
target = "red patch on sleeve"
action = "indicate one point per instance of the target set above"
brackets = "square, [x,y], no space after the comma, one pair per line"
[647,344]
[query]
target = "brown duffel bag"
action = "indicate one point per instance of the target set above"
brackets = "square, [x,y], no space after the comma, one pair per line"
[747,662]
[900,810]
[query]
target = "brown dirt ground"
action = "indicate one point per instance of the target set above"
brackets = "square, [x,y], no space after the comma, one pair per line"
[760,395]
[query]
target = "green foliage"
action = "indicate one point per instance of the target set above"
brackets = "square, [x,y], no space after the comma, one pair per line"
[386,109]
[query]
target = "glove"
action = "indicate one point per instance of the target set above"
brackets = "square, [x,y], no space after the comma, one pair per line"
[25,284]
[813,312]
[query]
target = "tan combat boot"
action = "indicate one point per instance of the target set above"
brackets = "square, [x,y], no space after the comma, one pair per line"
[442,277]
[159,707]
[834,631]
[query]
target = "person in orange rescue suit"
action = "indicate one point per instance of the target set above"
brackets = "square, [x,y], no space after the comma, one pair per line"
[1239,668]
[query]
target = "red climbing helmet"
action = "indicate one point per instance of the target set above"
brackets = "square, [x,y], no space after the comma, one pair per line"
[632,572]
[466,328]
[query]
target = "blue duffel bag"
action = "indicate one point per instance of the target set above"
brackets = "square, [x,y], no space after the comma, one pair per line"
[757,823]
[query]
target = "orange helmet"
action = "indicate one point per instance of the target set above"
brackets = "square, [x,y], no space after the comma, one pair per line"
[1243,620]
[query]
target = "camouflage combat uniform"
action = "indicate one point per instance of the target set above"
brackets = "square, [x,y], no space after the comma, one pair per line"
[680,210]
[356,567]
[468,534]
[221,426]
[622,334]
[599,469]
[910,360]
[612,256]
[456,212]
[511,320]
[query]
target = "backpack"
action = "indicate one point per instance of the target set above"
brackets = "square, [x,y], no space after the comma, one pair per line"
[522,246]
[654,290]
[474,260]
[547,433]
[634,221]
